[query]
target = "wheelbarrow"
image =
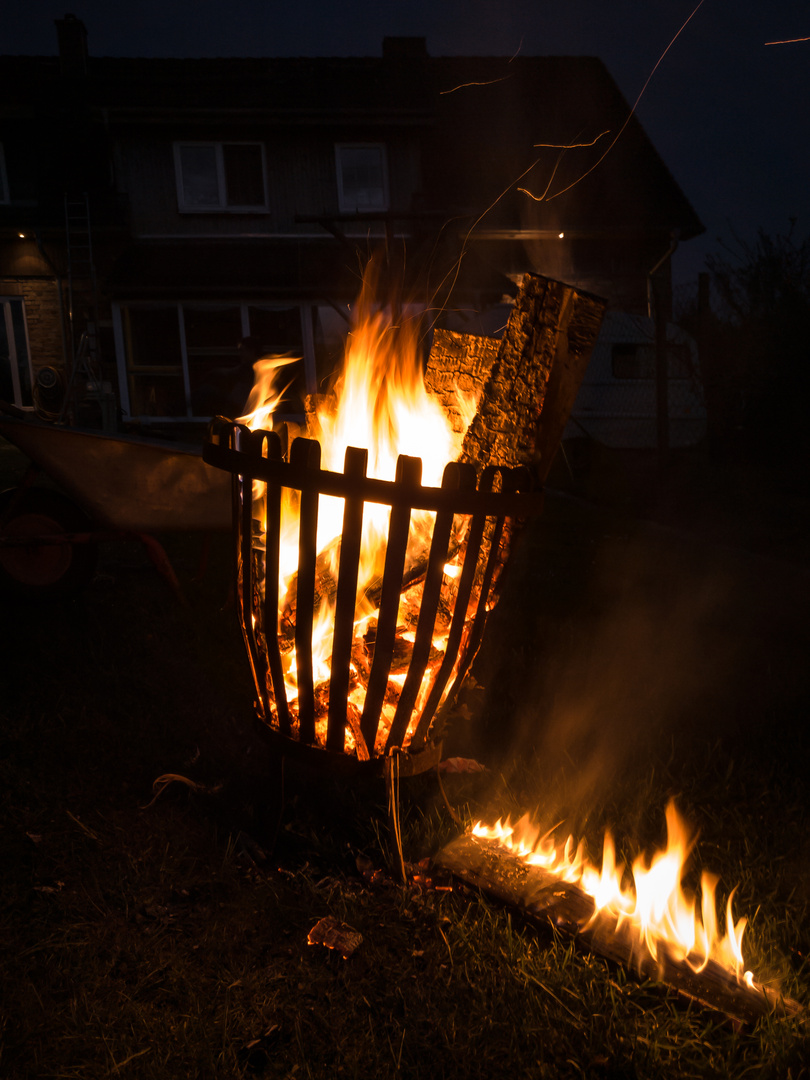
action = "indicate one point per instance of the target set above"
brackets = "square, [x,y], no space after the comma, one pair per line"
[110,487]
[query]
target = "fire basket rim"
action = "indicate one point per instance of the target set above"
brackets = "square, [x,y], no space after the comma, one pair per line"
[525,501]
[498,494]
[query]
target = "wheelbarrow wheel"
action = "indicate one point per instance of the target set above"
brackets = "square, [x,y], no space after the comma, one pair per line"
[43,570]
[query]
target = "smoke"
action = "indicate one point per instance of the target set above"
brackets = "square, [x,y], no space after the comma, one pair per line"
[616,649]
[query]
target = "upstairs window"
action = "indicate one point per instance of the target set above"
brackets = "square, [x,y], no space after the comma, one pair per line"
[362,176]
[220,177]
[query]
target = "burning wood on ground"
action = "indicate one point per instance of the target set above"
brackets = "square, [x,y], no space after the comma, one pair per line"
[653,927]
[484,404]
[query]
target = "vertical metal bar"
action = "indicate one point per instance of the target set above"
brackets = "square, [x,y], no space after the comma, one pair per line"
[241,439]
[472,551]
[16,392]
[431,593]
[409,474]
[355,465]
[306,454]
[509,481]
[270,611]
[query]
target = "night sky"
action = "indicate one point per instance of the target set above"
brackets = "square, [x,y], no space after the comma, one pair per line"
[728,112]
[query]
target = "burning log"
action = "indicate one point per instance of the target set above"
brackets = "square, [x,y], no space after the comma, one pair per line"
[321,554]
[545,899]
[531,385]
[525,384]
[326,587]
[458,369]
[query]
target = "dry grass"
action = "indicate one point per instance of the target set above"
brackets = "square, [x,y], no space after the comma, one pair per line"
[172,941]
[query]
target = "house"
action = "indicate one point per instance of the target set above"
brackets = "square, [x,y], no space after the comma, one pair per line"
[169,208]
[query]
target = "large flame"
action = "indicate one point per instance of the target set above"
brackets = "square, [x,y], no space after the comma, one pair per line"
[378,402]
[650,901]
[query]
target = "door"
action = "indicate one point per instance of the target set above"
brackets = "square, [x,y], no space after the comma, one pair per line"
[15,358]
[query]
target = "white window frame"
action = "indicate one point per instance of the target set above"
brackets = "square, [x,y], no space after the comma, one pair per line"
[307,338]
[14,359]
[223,207]
[347,205]
[5,194]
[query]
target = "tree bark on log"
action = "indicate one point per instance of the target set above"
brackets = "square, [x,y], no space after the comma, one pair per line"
[547,900]
[527,380]
[460,362]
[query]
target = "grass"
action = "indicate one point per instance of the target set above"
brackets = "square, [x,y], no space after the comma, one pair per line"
[625,664]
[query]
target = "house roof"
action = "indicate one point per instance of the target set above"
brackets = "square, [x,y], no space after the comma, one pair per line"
[538,143]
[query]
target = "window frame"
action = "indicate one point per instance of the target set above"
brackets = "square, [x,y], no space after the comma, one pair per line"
[5,194]
[344,204]
[125,369]
[223,206]
[20,392]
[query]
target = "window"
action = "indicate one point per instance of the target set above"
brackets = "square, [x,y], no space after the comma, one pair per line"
[362,176]
[632,361]
[183,361]
[15,362]
[220,177]
[4,198]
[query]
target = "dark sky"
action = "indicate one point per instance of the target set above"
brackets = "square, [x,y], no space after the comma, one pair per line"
[729,114]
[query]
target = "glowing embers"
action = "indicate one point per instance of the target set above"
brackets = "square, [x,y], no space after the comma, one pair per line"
[366,563]
[354,651]
[647,907]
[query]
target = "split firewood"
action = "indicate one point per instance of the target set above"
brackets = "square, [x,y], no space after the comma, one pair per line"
[458,368]
[548,900]
[335,934]
[540,363]
[526,382]
[325,589]
[353,722]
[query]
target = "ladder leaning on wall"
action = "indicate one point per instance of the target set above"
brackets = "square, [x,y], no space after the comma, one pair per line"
[85,347]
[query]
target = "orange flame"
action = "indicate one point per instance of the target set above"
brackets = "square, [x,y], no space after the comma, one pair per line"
[654,904]
[378,402]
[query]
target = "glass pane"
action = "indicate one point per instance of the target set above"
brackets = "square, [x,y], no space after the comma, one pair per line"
[3,183]
[198,165]
[21,345]
[244,178]
[219,382]
[6,381]
[153,338]
[329,330]
[363,177]
[212,327]
[157,394]
[277,331]
[632,361]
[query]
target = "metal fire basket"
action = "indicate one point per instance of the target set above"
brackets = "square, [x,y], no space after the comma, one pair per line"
[478,510]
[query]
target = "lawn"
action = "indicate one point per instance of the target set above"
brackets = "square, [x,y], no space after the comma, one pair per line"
[627,662]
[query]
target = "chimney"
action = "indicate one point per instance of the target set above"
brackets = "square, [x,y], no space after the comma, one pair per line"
[71,35]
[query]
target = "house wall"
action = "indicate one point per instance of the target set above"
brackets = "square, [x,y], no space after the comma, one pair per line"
[453,156]
[42,317]
[23,272]
[300,171]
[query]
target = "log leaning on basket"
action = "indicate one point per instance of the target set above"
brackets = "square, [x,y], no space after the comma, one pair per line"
[527,380]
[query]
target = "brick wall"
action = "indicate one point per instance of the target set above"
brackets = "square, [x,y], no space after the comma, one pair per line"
[42,315]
